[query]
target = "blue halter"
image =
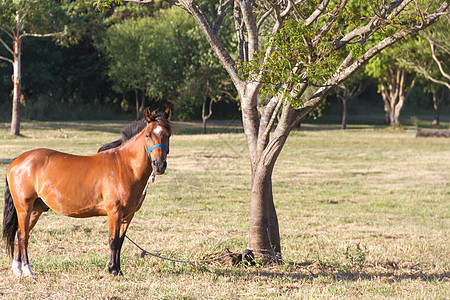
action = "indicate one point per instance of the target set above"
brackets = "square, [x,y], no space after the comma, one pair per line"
[154,147]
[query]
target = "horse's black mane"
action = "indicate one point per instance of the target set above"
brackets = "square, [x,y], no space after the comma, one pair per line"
[134,128]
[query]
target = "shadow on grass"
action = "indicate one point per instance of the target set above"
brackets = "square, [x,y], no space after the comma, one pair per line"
[6,161]
[101,126]
[313,271]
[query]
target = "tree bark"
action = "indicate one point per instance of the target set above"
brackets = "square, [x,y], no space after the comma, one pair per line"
[394,92]
[347,93]
[438,99]
[139,106]
[136,99]
[259,239]
[205,116]
[264,236]
[17,79]
[344,114]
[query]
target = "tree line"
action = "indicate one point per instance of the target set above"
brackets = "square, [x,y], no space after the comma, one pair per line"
[86,61]
[90,62]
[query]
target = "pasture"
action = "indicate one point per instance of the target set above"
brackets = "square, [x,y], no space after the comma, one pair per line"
[364,213]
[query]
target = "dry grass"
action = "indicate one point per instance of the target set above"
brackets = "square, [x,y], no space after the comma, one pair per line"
[363,214]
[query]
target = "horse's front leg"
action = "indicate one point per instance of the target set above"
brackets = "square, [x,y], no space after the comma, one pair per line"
[123,229]
[117,229]
[114,222]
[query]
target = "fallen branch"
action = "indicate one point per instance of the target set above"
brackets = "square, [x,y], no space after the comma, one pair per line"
[433,133]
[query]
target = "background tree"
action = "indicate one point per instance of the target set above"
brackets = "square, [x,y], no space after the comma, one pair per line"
[170,61]
[395,82]
[127,67]
[284,47]
[348,91]
[150,56]
[207,85]
[429,57]
[19,19]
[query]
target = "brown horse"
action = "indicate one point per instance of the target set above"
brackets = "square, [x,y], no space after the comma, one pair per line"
[110,183]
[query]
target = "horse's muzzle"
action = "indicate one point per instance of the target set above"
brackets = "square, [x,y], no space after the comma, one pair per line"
[159,166]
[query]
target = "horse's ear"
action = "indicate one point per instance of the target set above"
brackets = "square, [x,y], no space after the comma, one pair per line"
[148,114]
[167,113]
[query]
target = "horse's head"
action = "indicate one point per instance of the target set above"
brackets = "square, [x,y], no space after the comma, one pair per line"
[157,134]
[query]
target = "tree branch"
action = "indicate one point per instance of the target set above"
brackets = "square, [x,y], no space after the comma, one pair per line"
[239,32]
[327,26]
[224,57]
[346,72]
[145,1]
[436,60]
[6,46]
[421,70]
[7,59]
[220,15]
[365,31]
[43,34]
[263,18]
[250,24]
[7,31]
[267,121]
[293,5]
[204,115]
[397,10]
[317,12]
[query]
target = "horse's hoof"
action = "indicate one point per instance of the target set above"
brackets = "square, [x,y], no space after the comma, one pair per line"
[17,272]
[27,270]
[16,268]
[116,272]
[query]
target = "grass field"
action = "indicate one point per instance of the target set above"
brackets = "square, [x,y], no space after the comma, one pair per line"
[364,213]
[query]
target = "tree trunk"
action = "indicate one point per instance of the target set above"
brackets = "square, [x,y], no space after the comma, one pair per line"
[205,116]
[139,106]
[136,100]
[386,112]
[346,93]
[142,106]
[438,99]
[17,80]
[344,114]
[264,236]
[395,92]
[436,116]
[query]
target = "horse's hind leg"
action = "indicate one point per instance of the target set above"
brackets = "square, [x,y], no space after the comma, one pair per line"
[16,266]
[27,220]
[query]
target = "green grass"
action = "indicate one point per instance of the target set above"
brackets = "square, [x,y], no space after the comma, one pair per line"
[364,213]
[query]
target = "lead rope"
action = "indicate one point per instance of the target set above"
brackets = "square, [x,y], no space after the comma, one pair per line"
[144,252]
[150,179]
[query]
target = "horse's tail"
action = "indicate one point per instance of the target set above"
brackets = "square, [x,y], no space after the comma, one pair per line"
[10,222]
